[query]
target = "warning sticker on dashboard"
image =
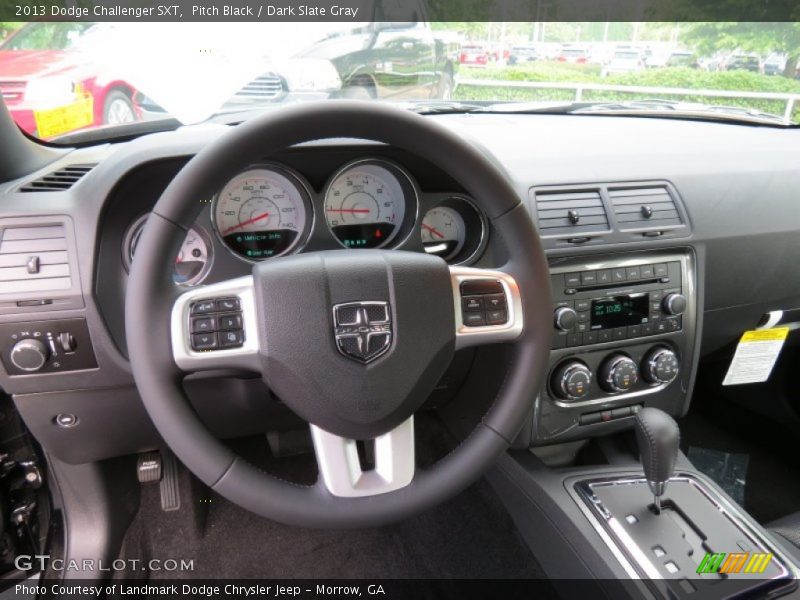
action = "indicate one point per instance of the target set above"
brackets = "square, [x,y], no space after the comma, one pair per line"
[756,355]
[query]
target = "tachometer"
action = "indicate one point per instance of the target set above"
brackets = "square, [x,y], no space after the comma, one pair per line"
[365,204]
[262,212]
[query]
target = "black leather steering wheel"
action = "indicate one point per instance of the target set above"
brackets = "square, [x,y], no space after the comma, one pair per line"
[287,310]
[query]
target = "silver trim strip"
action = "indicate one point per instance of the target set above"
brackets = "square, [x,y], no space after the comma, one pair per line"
[245,357]
[488,334]
[340,468]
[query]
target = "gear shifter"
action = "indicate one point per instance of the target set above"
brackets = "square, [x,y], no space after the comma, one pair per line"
[658,436]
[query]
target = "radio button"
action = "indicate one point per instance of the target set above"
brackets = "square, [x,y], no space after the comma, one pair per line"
[661,327]
[647,271]
[583,317]
[574,339]
[582,304]
[604,335]
[673,323]
[572,279]
[560,340]
[660,270]
[674,304]
[633,273]
[634,331]
[647,329]
[656,295]
[620,333]
[588,278]
[582,327]
[590,337]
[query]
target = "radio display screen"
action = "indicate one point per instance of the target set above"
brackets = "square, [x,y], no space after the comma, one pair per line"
[620,311]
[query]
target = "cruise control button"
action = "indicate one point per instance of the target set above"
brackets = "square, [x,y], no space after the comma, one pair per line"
[203,324]
[204,341]
[472,302]
[203,306]
[474,319]
[496,317]
[495,301]
[233,321]
[231,339]
[228,304]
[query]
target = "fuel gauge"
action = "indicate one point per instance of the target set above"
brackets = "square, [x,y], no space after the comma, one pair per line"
[443,232]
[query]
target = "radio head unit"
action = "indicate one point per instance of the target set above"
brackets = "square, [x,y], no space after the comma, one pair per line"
[620,311]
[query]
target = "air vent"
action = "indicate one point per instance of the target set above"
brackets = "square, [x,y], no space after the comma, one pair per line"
[58,181]
[644,208]
[570,213]
[34,259]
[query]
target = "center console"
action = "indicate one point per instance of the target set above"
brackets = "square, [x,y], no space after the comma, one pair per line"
[624,337]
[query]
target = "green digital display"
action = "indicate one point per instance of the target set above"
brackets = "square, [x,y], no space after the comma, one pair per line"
[620,311]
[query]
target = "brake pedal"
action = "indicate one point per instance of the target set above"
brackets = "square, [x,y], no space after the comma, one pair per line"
[162,468]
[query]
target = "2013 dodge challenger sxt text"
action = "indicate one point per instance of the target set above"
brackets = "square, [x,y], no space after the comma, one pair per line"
[329,316]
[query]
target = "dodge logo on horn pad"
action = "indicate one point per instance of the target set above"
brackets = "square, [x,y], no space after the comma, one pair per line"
[363,330]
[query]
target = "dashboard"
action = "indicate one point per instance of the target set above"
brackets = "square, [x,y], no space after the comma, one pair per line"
[665,239]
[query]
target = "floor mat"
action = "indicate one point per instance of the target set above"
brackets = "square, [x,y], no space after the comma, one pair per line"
[471,536]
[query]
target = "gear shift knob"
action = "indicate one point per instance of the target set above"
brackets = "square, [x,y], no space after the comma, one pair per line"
[658,436]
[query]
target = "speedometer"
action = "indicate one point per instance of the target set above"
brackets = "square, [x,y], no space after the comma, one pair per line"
[262,212]
[365,204]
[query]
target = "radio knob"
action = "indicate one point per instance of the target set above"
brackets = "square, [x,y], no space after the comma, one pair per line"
[565,318]
[660,365]
[618,374]
[29,355]
[571,380]
[674,304]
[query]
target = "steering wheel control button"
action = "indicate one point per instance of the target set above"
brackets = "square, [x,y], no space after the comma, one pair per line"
[483,303]
[204,324]
[472,303]
[231,339]
[228,304]
[618,374]
[204,341]
[571,381]
[203,307]
[232,321]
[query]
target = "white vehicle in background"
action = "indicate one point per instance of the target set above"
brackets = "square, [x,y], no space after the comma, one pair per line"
[623,61]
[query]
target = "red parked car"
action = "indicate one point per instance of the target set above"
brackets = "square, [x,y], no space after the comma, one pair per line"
[52,86]
[474,55]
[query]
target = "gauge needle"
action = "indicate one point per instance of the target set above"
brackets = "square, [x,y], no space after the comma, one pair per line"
[245,223]
[348,210]
[433,230]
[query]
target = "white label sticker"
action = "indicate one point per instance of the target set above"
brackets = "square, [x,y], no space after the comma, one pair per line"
[755,356]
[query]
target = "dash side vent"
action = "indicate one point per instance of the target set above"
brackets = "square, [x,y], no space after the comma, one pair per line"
[58,181]
[568,213]
[638,208]
[34,259]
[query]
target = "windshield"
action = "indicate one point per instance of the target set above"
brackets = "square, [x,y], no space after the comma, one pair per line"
[61,78]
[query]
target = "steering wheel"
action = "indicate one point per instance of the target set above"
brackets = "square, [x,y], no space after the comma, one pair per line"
[353,341]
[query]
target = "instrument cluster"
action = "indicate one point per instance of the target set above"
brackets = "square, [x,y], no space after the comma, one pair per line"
[270,210]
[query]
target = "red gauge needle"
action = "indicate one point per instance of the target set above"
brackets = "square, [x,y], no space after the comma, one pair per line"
[433,230]
[348,210]
[245,223]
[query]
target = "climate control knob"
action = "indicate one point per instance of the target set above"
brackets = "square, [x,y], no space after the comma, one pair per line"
[29,354]
[571,380]
[660,365]
[565,318]
[674,304]
[618,374]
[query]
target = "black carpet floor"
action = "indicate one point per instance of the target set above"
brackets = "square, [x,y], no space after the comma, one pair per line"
[772,488]
[470,536]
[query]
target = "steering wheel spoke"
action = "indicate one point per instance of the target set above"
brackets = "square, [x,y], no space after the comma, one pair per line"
[488,306]
[341,470]
[215,327]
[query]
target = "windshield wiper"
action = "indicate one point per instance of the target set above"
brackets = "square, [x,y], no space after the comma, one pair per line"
[652,107]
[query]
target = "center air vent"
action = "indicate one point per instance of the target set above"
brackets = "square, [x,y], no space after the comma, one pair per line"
[59,180]
[644,208]
[569,213]
[34,259]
